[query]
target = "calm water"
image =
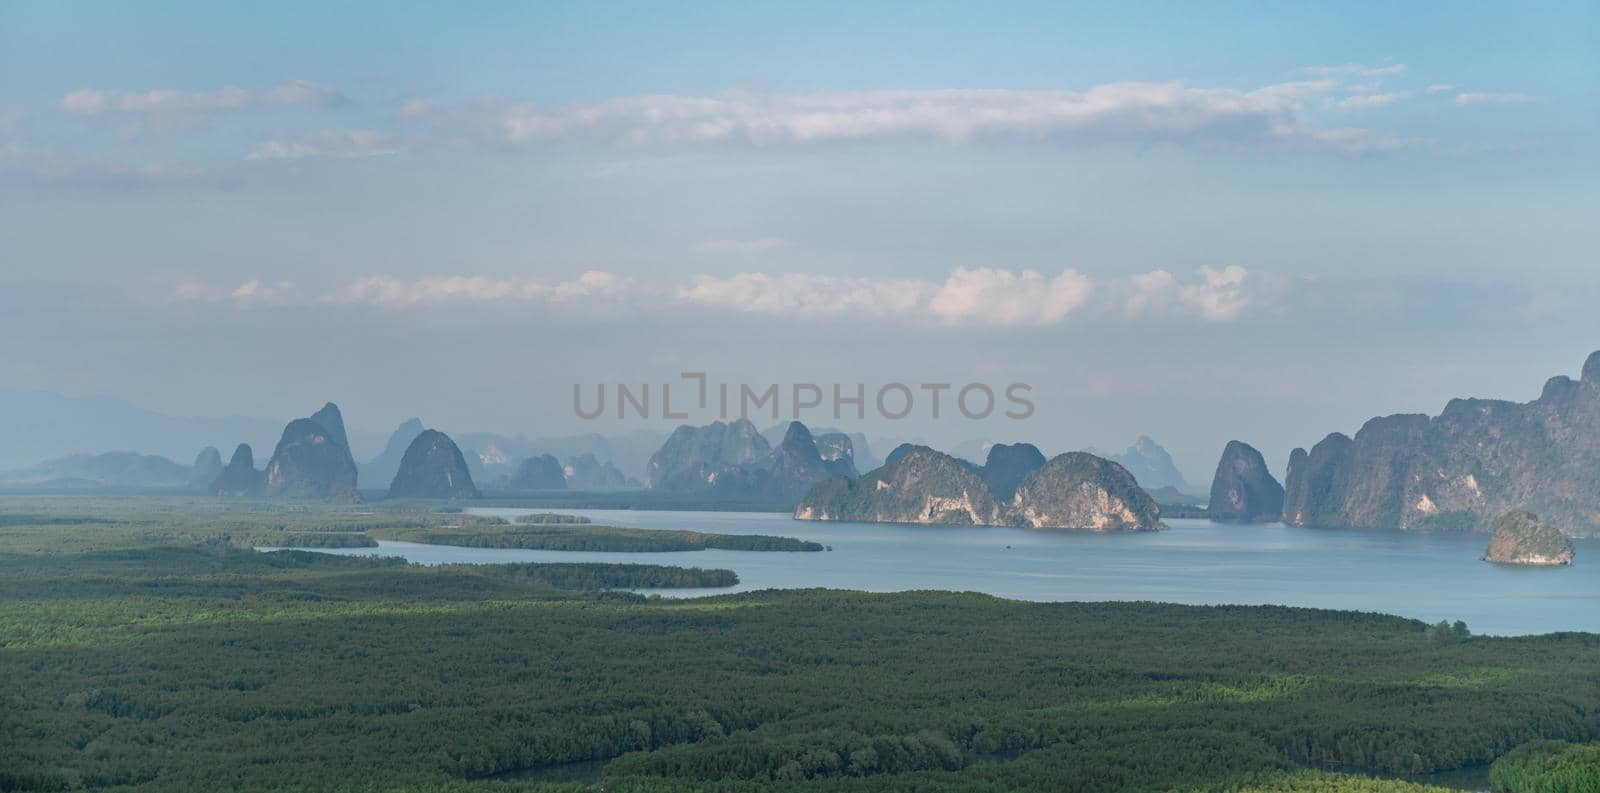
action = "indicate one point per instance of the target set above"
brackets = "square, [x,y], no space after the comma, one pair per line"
[1429,577]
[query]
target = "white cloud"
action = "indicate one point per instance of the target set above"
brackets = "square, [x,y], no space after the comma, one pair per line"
[809,296]
[401,293]
[388,292]
[1218,295]
[172,103]
[990,296]
[968,296]
[1347,70]
[981,296]
[1355,140]
[254,291]
[1485,98]
[1441,88]
[1150,293]
[328,144]
[1136,112]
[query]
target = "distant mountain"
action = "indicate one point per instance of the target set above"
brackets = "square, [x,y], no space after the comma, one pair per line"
[1007,465]
[309,463]
[1462,469]
[692,458]
[921,485]
[861,456]
[540,472]
[492,455]
[109,470]
[586,472]
[628,451]
[1243,490]
[1150,463]
[733,461]
[797,464]
[834,446]
[43,426]
[239,477]
[383,467]
[207,464]
[432,467]
[828,443]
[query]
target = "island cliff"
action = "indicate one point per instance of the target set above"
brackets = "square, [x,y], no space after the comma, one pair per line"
[1460,470]
[1243,490]
[921,486]
[1076,490]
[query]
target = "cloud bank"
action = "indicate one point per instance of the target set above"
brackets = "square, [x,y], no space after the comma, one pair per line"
[1488,98]
[329,143]
[1292,115]
[173,102]
[984,296]
[1140,112]
[968,296]
[400,293]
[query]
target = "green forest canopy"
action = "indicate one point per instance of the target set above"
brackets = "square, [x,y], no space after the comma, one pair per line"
[174,661]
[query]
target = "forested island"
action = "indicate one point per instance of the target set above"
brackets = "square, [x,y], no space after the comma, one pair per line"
[1519,537]
[551,535]
[330,526]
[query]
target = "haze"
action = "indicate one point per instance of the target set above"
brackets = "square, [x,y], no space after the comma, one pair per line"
[1217,223]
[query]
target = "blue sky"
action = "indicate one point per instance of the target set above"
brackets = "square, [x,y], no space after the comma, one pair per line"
[1196,221]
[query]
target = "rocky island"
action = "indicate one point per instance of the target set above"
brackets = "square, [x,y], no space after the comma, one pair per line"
[308,464]
[587,472]
[239,477]
[1521,538]
[734,460]
[919,485]
[1076,490]
[1243,490]
[311,461]
[1460,470]
[693,458]
[433,468]
[207,465]
[540,472]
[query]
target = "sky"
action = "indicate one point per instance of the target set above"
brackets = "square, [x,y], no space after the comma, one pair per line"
[1194,221]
